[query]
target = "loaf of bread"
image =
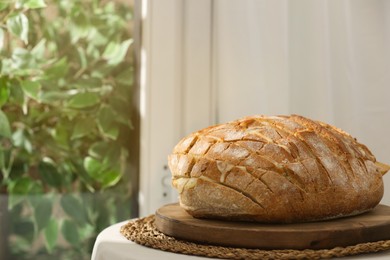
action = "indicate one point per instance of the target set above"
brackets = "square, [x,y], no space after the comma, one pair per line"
[277,169]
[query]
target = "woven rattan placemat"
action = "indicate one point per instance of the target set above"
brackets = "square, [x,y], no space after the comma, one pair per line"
[142,231]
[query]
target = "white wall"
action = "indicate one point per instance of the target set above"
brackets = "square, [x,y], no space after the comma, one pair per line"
[214,61]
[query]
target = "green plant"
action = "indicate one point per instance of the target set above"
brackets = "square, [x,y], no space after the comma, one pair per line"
[66,75]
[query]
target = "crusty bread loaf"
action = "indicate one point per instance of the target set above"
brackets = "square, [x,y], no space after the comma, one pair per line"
[277,169]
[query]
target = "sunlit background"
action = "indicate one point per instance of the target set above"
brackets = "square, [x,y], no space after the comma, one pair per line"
[95,94]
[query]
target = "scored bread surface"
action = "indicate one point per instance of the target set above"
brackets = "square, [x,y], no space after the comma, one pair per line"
[277,169]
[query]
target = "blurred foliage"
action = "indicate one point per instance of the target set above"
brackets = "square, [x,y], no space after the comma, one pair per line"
[66,75]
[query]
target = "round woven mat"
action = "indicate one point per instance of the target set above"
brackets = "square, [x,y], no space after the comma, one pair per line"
[142,231]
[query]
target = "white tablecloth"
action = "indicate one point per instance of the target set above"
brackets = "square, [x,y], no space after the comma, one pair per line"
[111,245]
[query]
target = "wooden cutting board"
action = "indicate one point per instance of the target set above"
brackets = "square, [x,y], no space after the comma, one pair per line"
[372,226]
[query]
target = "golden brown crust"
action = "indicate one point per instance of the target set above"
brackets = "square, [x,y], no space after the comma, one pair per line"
[275,169]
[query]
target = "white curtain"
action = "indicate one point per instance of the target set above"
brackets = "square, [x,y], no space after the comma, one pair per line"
[325,59]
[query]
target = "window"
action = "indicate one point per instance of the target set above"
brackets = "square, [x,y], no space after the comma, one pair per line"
[69,144]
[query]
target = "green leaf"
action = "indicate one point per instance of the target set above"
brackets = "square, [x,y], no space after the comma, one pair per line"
[83,100]
[106,122]
[112,155]
[21,243]
[58,69]
[5,128]
[39,50]
[31,89]
[87,231]
[111,49]
[126,77]
[93,166]
[16,93]
[109,7]
[84,177]
[15,199]
[115,53]
[82,57]
[20,186]
[87,83]
[42,212]
[4,90]
[96,38]
[20,139]
[98,149]
[50,174]
[51,97]
[61,134]
[51,234]
[106,174]
[82,128]
[18,189]
[103,156]
[73,207]
[24,227]
[79,28]
[123,110]
[24,185]
[110,178]
[34,4]
[4,4]
[70,232]
[18,25]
